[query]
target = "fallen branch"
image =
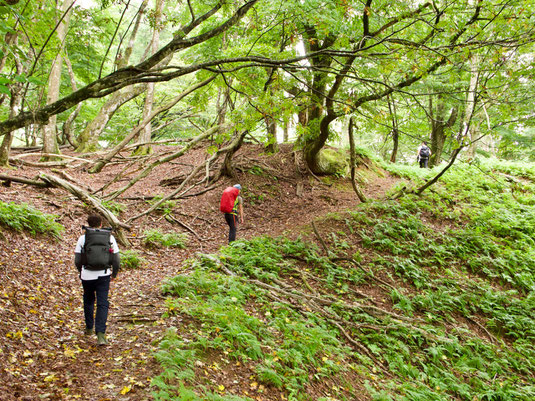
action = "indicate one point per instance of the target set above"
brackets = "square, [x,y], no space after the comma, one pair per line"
[175,220]
[364,270]
[192,174]
[86,197]
[322,242]
[163,160]
[56,155]
[37,164]
[67,177]
[9,178]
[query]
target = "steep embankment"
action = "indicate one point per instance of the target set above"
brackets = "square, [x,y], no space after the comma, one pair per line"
[426,298]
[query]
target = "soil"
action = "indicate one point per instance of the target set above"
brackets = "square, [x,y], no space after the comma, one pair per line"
[44,351]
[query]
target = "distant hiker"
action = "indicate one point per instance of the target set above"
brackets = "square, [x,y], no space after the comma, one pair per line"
[423,154]
[97,259]
[232,205]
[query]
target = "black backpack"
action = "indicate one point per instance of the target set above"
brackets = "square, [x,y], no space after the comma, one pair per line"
[97,251]
[424,152]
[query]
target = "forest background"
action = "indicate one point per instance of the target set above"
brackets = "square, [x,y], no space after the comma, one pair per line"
[123,91]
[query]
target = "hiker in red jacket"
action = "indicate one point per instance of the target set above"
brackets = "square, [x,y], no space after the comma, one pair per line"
[232,205]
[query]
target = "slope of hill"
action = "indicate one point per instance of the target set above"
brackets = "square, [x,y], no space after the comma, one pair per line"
[422,298]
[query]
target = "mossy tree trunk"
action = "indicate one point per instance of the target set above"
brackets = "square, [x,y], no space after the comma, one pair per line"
[439,124]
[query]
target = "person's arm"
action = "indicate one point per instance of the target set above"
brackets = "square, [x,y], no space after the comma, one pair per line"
[115,264]
[78,253]
[240,206]
[115,258]
[78,261]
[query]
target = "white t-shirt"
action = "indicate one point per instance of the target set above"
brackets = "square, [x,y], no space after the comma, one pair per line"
[94,274]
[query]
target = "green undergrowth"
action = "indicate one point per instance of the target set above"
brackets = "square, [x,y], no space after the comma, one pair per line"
[131,259]
[23,217]
[155,239]
[424,298]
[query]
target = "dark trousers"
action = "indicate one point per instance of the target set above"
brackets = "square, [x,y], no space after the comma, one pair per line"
[98,288]
[423,163]
[232,221]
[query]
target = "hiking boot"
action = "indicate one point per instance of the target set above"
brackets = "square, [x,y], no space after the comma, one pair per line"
[88,332]
[101,339]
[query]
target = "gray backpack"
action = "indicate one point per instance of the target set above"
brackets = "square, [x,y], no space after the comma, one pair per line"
[424,152]
[98,250]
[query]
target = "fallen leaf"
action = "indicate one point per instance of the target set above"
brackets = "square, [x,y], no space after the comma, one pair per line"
[126,389]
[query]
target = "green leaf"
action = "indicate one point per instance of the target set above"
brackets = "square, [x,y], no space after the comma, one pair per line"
[36,81]
[5,89]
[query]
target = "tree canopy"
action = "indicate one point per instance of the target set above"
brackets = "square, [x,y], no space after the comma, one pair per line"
[455,72]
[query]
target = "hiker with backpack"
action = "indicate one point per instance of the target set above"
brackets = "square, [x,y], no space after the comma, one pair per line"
[97,259]
[232,206]
[423,154]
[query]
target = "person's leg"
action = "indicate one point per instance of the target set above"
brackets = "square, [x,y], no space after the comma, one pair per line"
[425,162]
[102,290]
[421,163]
[232,222]
[89,302]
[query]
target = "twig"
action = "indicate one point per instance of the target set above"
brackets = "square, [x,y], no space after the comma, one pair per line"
[491,337]
[364,270]
[191,230]
[323,244]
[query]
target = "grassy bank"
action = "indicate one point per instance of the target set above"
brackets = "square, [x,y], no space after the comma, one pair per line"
[424,298]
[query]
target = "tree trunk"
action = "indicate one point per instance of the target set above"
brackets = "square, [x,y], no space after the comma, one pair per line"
[474,81]
[285,131]
[356,188]
[15,106]
[439,123]
[88,139]
[227,169]
[395,131]
[67,125]
[146,134]
[395,140]
[50,139]
[271,127]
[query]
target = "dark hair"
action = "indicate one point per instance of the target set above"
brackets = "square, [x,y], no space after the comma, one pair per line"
[425,143]
[94,220]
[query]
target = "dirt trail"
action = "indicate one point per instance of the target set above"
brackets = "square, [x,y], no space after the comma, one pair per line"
[44,351]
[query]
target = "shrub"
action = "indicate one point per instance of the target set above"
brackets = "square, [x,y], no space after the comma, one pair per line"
[131,259]
[114,207]
[166,207]
[23,217]
[155,238]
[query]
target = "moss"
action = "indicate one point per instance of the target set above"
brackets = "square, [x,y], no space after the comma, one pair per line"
[334,161]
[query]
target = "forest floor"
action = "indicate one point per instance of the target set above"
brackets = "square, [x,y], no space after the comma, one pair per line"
[43,349]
